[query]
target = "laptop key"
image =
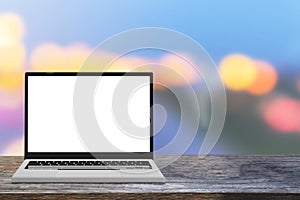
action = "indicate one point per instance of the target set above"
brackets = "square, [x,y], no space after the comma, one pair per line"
[123,163]
[114,163]
[47,163]
[63,163]
[131,162]
[42,162]
[81,163]
[89,163]
[72,163]
[98,163]
[140,163]
[107,162]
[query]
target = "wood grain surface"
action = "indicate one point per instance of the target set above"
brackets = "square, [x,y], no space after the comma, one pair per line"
[212,177]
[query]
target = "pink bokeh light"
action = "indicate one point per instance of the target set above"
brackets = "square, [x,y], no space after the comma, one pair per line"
[283,114]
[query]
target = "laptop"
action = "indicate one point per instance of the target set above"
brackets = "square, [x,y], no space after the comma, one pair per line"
[88,127]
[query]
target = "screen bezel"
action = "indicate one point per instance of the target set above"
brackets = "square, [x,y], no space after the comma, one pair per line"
[87,155]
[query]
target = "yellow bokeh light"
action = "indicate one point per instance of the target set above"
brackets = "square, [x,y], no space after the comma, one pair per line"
[48,57]
[12,57]
[52,57]
[75,56]
[265,80]
[238,71]
[11,29]
[11,81]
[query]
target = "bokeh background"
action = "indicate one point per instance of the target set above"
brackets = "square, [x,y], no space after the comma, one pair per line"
[255,44]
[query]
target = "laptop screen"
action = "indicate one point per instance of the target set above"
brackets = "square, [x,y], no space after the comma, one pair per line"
[54,125]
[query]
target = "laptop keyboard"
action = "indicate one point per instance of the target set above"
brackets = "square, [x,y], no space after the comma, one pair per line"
[86,165]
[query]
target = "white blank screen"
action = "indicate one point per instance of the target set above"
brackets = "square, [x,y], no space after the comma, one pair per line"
[51,124]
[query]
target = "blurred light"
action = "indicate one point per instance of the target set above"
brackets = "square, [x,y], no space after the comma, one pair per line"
[52,57]
[128,64]
[11,117]
[265,80]
[12,57]
[76,55]
[174,70]
[169,70]
[48,57]
[10,100]
[283,114]
[11,29]
[12,50]
[238,71]
[11,81]
[15,148]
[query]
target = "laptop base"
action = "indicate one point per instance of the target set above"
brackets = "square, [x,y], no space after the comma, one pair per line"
[23,175]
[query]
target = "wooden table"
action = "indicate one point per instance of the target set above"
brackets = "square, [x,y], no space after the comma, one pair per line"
[212,177]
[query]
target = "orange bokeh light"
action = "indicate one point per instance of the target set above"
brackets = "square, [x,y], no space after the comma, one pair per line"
[283,114]
[265,80]
[238,72]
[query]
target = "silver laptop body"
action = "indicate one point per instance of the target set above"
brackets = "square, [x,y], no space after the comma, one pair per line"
[88,127]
